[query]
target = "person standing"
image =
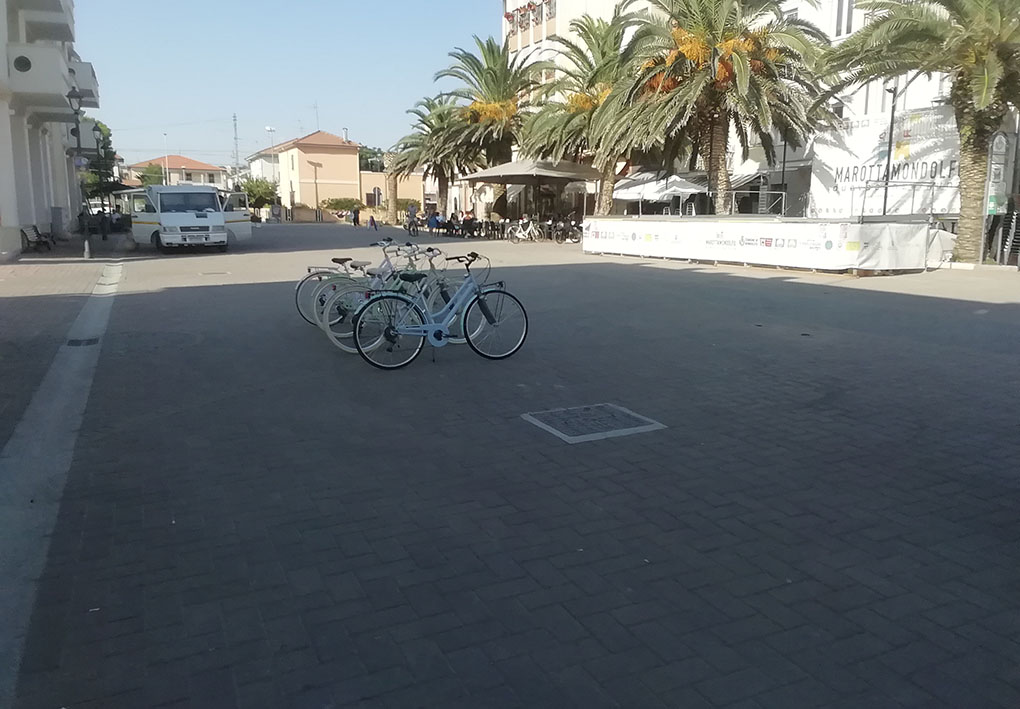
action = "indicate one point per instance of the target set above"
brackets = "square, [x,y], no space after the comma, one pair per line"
[356,217]
[104,223]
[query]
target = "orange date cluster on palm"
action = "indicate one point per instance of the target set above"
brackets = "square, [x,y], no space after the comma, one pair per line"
[698,52]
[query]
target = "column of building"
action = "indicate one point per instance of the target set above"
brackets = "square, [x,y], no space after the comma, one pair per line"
[40,74]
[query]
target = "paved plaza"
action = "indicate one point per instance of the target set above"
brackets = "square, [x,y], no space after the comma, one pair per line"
[249,517]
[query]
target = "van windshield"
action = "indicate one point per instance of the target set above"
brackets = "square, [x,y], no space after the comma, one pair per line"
[189,202]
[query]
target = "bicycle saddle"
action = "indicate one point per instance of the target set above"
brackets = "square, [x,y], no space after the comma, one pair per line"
[413,277]
[341,261]
[359,264]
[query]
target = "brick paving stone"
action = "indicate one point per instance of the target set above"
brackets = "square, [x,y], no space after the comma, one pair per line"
[265,522]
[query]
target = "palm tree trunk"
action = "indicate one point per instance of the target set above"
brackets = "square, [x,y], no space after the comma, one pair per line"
[718,169]
[604,205]
[973,175]
[443,198]
[392,184]
[497,154]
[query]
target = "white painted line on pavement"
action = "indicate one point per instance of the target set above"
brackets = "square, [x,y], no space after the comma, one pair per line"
[34,466]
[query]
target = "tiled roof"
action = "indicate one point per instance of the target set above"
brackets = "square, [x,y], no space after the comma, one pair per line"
[319,138]
[179,162]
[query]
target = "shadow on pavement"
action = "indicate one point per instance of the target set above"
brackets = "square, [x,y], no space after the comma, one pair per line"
[259,519]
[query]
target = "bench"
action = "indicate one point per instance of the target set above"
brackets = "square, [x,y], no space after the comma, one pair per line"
[32,237]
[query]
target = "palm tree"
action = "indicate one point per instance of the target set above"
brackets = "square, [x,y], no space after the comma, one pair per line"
[976,43]
[568,126]
[712,66]
[499,87]
[428,147]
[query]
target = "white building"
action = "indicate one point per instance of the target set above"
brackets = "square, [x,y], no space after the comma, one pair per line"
[843,174]
[38,68]
[837,174]
[181,170]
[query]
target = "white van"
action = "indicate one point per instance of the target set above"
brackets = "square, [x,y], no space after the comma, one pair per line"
[187,215]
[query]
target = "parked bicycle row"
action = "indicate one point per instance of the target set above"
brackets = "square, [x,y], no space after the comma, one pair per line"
[561,230]
[386,313]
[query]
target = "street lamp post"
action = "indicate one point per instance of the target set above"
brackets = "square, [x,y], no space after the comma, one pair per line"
[74,98]
[166,162]
[889,150]
[97,133]
[272,132]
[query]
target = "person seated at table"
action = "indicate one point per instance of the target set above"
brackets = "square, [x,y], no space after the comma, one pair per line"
[453,225]
[433,222]
[470,225]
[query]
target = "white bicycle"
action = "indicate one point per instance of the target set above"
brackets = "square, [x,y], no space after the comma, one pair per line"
[390,329]
[431,293]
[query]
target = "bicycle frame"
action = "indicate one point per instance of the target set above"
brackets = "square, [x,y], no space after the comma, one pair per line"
[437,325]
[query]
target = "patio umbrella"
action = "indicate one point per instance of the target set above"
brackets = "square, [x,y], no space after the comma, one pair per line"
[535,172]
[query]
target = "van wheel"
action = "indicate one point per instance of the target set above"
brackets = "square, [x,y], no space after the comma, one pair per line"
[157,241]
[222,248]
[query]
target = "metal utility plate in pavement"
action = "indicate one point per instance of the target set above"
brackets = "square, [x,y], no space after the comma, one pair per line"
[581,424]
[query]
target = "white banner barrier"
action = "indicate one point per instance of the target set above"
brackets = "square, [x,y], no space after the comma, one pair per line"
[822,245]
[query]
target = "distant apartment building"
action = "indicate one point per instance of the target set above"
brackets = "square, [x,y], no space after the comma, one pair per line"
[530,26]
[321,166]
[181,170]
[42,82]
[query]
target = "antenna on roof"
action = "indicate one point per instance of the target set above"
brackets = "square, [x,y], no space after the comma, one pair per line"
[346,134]
[316,107]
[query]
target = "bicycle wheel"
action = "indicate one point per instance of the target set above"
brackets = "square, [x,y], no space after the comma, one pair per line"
[339,315]
[305,291]
[323,293]
[377,336]
[514,233]
[495,324]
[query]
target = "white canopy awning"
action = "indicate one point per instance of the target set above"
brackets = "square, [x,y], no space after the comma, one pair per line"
[649,187]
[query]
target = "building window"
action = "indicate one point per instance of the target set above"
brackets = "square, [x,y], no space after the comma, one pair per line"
[536,14]
[522,19]
[187,177]
[212,177]
[550,9]
[292,161]
[844,17]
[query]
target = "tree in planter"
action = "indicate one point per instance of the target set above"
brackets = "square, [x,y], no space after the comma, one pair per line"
[976,43]
[151,175]
[428,147]
[570,127]
[260,191]
[499,86]
[709,66]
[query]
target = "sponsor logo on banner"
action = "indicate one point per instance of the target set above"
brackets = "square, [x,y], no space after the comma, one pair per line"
[791,243]
[828,245]
[767,241]
[853,246]
[780,243]
[748,241]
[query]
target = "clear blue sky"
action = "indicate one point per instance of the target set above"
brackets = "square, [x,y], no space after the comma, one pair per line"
[185,66]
